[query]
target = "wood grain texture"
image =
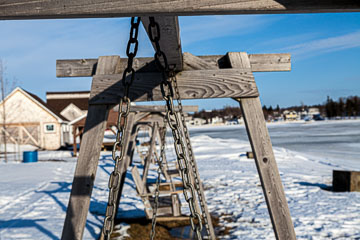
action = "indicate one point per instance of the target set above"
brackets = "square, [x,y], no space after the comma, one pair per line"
[259,63]
[107,89]
[265,159]
[87,163]
[52,9]
[157,108]
[170,42]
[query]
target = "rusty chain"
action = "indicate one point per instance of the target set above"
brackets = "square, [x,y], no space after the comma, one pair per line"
[115,176]
[174,124]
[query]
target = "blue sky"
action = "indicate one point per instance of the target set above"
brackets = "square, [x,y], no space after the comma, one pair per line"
[325,51]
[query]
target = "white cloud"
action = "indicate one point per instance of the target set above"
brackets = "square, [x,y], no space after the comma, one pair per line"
[325,45]
[200,28]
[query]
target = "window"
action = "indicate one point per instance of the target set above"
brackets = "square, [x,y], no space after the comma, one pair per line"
[49,128]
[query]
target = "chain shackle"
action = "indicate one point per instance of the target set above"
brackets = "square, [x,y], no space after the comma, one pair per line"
[115,177]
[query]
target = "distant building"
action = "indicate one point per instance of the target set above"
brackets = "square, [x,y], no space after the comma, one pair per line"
[198,121]
[313,111]
[217,120]
[290,115]
[29,120]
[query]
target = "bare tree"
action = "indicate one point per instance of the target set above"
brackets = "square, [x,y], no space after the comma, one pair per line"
[5,89]
[2,81]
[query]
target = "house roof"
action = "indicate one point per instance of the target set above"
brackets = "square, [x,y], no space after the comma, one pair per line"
[111,121]
[58,101]
[39,101]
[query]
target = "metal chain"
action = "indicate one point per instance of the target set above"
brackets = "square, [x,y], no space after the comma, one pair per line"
[115,176]
[160,160]
[192,158]
[174,124]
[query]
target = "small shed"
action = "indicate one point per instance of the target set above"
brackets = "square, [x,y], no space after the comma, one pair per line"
[29,120]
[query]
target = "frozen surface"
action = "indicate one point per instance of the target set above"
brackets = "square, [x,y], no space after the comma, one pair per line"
[34,196]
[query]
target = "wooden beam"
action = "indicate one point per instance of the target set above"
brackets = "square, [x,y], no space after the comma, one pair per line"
[87,163]
[259,63]
[108,89]
[265,159]
[54,9]
[157,108]
[169,39]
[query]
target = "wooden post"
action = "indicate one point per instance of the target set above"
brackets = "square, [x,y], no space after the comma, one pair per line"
[87,164]
[74,141]
[150,153]
[264,158]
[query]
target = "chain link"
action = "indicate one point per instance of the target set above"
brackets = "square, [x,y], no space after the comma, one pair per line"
[159,160]
[192,159]
[116,175]
[174,124]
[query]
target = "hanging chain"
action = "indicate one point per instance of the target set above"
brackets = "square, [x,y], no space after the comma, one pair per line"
[174,124]
[115,176]
[160,160]
[191,158]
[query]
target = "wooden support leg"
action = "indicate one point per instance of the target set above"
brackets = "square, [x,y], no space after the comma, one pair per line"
[74,141]
[85,172]
[150,153]
[267,168]
[132,143]
[264,158]
[87,163]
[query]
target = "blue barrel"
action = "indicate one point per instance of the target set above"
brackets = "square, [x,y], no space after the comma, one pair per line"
[30,156]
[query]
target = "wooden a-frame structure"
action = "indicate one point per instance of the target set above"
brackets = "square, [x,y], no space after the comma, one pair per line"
[208,76]
[202,77]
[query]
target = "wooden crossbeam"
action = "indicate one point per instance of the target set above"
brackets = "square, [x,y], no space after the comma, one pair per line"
[54,9]
[108,89]
[169,39]
[259,63]
[157,108]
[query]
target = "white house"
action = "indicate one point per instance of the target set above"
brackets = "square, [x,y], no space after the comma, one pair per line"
[29,120]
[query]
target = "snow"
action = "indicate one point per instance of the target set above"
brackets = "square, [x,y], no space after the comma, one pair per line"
[34,196]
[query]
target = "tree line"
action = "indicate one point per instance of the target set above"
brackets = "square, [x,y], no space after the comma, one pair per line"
[343,107]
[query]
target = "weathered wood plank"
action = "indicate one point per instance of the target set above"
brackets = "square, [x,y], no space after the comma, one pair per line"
[149,156]
[170,42]
[270,62]
[259,63]
[53,9]
[265,159]
[192,85]
[157,108]
[87,163]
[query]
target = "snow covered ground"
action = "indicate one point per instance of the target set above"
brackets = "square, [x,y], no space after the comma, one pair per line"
[34,196]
